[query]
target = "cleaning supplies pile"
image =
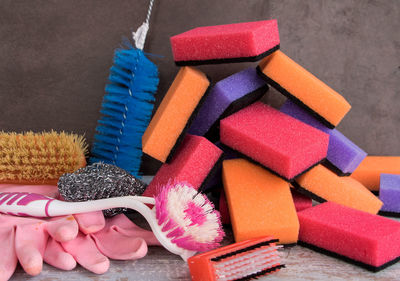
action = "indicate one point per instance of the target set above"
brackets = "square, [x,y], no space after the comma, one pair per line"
[270,152]
[270,162]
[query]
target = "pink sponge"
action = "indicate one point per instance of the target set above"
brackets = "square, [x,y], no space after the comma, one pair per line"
[248,41]
[301,202]
[193,163]
[223,209]
[365,239]
[279,142]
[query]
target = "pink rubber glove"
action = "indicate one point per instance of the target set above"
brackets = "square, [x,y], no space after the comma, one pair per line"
[120,239]
[121,236]
[25,239]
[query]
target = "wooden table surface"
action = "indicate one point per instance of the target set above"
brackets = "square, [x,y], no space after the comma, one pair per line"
[159,264]
[301,264]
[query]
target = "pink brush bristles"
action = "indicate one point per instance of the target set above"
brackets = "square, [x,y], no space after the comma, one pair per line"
[189,218]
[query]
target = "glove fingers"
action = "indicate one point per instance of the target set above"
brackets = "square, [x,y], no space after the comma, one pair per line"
[63,228]
[8,258]
[85,252]
[90,222]
[30,244]
[57,257]
[124,225]
[119,246]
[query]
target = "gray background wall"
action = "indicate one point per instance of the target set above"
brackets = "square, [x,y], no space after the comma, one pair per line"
[55,56]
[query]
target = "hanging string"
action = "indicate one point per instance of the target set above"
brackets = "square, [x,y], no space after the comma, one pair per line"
[140,35]
[149,11]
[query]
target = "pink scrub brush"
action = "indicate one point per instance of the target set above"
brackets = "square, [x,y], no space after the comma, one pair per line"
[183,220]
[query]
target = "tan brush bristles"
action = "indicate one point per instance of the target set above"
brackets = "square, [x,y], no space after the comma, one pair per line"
[39,158]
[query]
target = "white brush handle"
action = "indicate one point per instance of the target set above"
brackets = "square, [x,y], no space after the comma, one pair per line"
[30,204]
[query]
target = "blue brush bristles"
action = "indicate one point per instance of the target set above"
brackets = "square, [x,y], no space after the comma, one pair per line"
[126,110]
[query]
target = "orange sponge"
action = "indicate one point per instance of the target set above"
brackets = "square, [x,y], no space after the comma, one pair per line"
[324,185]
[370,169]
[175,113]
[302,87]
[260,203]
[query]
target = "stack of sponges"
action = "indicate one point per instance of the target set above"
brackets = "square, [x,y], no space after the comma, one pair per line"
[268,151]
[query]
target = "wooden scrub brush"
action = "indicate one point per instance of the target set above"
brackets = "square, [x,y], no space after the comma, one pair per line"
[39,158]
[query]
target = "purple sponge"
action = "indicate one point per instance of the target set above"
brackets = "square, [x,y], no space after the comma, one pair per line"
[389,193]
[343,155]
[216,180]
[225,98]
